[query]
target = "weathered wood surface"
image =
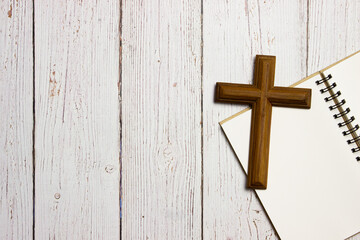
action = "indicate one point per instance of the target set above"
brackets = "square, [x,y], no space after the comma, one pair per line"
[234,32]
[77,140]
[180,178]
[16,120]
[161,119]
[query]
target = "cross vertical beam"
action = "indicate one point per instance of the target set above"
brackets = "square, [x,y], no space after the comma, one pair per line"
[262,95]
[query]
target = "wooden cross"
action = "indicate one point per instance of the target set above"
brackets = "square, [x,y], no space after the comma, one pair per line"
[262,95]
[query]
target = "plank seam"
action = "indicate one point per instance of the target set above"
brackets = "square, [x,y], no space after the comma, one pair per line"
[202,114]
[307,36]
[120,114]
[34,118]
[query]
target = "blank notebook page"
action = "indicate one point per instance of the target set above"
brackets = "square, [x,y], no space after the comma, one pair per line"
[313,187]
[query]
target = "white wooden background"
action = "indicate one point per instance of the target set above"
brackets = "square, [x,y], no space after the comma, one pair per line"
[108,127]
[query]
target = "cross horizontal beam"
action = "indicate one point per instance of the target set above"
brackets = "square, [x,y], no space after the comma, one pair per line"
[278,96]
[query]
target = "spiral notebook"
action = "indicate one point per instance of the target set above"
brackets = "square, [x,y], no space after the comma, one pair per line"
[314,169]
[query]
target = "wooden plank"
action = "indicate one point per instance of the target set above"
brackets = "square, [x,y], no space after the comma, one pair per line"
[77,142]
[16,120]
[333,31]
[161,114]
[234,32]
[333,34]
[340,34]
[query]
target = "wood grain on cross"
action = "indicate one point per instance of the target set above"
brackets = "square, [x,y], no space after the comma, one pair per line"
[262,95]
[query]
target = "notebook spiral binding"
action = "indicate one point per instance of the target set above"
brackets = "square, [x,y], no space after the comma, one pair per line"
[343,113]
